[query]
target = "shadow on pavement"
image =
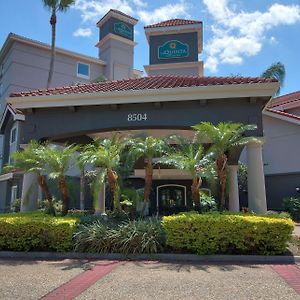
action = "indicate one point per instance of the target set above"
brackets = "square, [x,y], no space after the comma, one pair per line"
[188,267]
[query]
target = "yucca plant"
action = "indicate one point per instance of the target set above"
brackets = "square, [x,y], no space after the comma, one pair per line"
[149,148]
[190,157]
[105,156]
[223,137]
[58,164]
[32,159]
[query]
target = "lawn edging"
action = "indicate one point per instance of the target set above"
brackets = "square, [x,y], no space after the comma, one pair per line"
[169,257]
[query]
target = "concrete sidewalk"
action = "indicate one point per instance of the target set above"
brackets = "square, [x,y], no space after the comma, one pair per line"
[32,279]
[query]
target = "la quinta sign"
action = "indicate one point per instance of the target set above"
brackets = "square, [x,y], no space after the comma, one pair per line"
[173,49]
[123,29]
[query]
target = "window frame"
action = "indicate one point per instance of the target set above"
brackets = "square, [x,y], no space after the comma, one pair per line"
[15,127]
[82,75]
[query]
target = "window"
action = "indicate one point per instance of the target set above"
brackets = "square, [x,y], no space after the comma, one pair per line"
[13,135]
[83,70]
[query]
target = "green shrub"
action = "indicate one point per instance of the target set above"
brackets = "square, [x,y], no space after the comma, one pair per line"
[217,233]
[36,231]
[208,203]
[138,236]
[292,206]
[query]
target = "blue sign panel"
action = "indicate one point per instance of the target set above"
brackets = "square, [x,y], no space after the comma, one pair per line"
[173,49]
[123,29]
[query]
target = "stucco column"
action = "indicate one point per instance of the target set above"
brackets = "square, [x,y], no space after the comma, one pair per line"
[256,179]
[234,200]
[29,200]
[100,205]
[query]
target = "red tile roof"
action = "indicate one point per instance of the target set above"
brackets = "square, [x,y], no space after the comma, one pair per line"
[173,22]
[285,114]
[288,101]
[145,83]
[117,12]
[15,110]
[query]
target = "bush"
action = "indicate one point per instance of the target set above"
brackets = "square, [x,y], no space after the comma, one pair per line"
[292,206]
[36,231]
[44,206]
[217,233]
[139,236]
[208,203]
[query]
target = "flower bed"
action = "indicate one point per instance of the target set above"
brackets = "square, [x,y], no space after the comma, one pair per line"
[217,233]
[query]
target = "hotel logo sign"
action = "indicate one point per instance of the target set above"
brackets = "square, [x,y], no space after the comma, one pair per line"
[123,29]
[173,49]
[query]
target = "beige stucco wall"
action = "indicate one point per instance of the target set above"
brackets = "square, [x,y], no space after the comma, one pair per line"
[282,147]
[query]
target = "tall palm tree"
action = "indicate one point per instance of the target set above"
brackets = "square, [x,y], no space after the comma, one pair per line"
[105,155]
[190,157]
[149,148]
[32,159]
[276,71]
[58,164]
[55,6]
[223,137]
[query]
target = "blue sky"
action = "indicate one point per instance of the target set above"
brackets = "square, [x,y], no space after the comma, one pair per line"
[240,37]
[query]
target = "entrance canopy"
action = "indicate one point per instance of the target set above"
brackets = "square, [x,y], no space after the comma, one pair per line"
[81,113]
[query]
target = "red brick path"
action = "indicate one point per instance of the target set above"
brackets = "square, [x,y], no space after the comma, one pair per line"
[291,275]
[81,282]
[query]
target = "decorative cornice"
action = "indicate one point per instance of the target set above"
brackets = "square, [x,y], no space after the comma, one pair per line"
[115,37]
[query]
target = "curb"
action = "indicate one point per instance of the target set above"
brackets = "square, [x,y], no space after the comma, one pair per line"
[168,257]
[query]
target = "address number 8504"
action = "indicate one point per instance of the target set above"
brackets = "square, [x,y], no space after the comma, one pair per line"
[137,117]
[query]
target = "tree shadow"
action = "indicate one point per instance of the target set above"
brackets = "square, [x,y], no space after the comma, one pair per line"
[189,266]
[17,261]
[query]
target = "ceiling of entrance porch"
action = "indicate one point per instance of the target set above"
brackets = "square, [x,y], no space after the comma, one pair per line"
[158,133]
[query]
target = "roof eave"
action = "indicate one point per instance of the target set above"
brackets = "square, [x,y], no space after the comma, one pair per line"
[147,96]
[15,38]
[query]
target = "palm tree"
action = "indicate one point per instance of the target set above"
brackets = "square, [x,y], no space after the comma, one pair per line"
[55,6]
[189,157]
[58,164]
[149,148]
[105,155]
[276,71]
[223,137]
[31,159]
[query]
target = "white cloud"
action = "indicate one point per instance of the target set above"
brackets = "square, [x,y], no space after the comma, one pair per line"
[94,10]
[165,12]
[238,34]
[273,40]
[83,32]
[139,3]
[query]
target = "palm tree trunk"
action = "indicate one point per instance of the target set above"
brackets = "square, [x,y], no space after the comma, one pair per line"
[53,37]
[221,163]
[112,181]
[43,184]
[197,182]
[82,190]
[148,184]
[65,195]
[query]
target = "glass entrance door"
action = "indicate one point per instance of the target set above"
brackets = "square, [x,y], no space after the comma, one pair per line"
[171,199]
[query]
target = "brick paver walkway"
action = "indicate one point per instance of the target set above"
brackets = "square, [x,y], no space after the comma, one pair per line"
[82,282]
[291,275]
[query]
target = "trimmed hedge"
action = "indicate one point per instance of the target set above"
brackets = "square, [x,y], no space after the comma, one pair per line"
[217,233]
[36,231]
